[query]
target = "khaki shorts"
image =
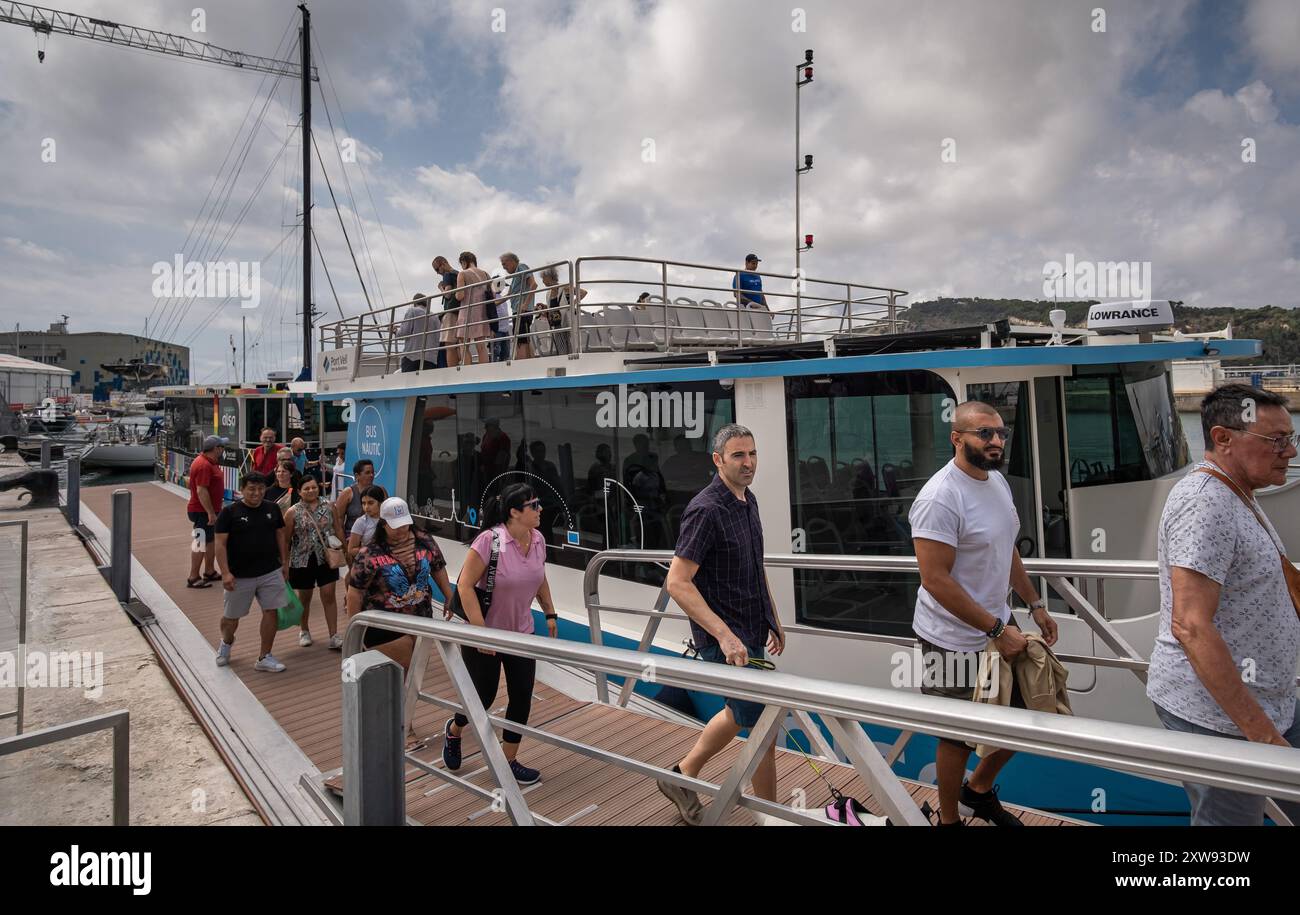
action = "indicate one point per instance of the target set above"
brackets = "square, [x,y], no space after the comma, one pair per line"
[268,588]
[957,676]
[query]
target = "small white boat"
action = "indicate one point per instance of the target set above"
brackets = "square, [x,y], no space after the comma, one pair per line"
[119,456]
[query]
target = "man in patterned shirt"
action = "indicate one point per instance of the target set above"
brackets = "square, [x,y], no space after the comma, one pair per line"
[1224,660]
[717,578]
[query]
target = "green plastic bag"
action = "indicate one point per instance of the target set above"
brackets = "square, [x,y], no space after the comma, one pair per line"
[290,614]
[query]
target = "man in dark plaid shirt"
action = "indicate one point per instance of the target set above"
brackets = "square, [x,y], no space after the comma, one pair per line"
[717,577]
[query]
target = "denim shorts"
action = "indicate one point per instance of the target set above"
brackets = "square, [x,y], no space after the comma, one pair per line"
[743,712]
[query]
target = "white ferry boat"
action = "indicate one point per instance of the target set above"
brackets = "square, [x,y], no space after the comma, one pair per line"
[612,421]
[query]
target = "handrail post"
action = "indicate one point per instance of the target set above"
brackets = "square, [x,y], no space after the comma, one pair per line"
[374,790]
[74,490]
[122,771]
[45,454]
[120,557]
[760,739]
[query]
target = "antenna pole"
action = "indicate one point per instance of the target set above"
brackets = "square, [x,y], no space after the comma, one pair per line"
[306,192]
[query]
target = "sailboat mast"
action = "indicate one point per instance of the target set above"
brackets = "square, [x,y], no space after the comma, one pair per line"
[306,192]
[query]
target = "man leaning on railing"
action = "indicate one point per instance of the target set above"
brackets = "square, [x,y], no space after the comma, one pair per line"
[1225,654]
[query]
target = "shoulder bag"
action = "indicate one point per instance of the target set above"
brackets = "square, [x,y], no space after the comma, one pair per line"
[484,595]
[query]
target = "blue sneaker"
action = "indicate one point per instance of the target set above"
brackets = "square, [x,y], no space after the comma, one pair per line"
[523,774]
[450,747]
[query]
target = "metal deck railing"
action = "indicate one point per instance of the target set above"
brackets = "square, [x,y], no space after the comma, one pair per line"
[684,306]
[1251,768]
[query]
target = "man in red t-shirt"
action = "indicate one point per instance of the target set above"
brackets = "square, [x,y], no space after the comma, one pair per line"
[264,456]
[207,489]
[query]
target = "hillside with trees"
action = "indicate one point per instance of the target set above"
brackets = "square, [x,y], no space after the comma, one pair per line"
[1278,328]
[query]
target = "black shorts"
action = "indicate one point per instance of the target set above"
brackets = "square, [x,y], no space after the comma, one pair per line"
[313,575]
[375,636]
[200,520]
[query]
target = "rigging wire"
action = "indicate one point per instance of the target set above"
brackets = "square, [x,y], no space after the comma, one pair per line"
[365,182]
[226,159]
[316,241]
[339,213]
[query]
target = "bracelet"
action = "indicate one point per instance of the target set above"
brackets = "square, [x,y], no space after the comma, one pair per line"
[1039,604]
[997,629]
[552,616]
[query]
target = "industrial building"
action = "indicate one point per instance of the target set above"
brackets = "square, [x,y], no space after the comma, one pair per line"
[86,354]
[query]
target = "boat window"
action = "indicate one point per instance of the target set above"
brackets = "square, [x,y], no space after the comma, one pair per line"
[608,475]
[1122,425]
[1011,400]
[189,421]
[861,447]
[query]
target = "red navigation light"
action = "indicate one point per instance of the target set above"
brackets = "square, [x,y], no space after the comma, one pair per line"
[807,240]
[807,72]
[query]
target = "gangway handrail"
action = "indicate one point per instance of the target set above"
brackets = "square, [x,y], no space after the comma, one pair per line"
[119,722]
[1057,571]
[1153,752]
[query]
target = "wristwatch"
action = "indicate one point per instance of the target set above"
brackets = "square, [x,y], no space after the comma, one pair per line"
[552,616]
[996,630]
[1039,604]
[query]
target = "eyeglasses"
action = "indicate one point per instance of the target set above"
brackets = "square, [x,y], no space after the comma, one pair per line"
[534,504]
[986,433]
[1280,443]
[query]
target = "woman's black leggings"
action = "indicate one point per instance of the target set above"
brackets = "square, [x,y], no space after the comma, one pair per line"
[485,671]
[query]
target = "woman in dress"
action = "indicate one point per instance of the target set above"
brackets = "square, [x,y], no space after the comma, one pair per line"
[475,327]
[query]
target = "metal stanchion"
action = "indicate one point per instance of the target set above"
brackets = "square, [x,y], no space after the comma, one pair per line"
[45,454]
[74,490]
[120,571]
[374,791]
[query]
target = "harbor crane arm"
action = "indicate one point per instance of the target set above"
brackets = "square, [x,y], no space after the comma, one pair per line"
[46,22]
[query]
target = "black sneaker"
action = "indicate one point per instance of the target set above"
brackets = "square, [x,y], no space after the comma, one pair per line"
[450,747]
[987,806]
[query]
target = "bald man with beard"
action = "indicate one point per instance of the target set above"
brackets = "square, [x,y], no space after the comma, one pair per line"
[964,528]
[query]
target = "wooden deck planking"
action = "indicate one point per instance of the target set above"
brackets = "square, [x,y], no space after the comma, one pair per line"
[306,700]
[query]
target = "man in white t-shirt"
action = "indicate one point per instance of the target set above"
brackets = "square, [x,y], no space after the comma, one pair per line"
[964,527]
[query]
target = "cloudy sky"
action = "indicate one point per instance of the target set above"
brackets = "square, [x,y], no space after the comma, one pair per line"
[959,147]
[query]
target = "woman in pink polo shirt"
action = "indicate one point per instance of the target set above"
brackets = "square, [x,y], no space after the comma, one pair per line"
[512,519]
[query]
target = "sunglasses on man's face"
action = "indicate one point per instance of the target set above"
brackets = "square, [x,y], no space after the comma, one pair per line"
[986,433]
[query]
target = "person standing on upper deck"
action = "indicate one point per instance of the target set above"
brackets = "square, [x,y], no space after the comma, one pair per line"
[264,457]
[748,285]
[964,528]
[523,296]
[419,335]
[450,316]
[1225,655]
[474,325]
[717,577]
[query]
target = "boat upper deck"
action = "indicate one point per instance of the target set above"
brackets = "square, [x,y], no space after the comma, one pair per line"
[573,322]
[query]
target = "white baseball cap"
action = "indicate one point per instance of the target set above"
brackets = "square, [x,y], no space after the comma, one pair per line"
[394,512]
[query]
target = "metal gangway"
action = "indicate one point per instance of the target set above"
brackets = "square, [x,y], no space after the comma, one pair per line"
[377,704]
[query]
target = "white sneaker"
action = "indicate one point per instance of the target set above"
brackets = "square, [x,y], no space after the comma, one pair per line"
[223,655]
[336,642]
[268,663]
[304,638]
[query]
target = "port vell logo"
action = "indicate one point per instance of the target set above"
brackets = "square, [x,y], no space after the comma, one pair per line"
[653,410]
[103,868]
[211,280]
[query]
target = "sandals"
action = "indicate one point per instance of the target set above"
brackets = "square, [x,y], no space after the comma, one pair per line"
[201,582]
[212,576]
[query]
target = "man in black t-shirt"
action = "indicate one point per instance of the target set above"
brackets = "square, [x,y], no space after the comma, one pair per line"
[253,553]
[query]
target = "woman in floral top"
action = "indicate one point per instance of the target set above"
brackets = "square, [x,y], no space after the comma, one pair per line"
[312,524]
[397,573]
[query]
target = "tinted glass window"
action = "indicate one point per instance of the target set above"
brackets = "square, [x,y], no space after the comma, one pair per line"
[861,447]
[613,467]
[1122,425]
